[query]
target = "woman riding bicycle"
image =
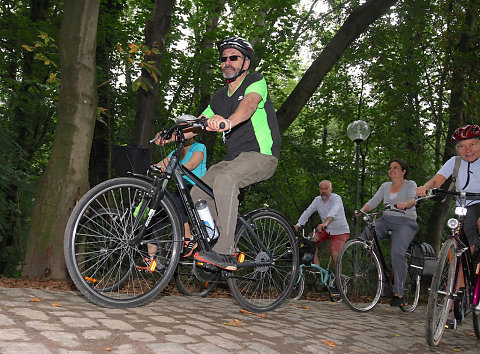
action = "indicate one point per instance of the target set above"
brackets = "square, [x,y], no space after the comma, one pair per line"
[467,179]
[193,157]
[403,226]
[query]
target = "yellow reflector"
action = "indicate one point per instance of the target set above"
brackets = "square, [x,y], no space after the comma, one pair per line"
[152,266]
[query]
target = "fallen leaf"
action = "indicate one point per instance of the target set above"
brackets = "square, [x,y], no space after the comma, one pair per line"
[397,335]
[457,350]
[234,323]
[330,343]
[107,349]
[469,334]
[35,299]
[57,304]
[255,314]
[304,307]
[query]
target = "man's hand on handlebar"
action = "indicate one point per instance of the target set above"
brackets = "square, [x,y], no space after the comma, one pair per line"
[421,191]
[218,124]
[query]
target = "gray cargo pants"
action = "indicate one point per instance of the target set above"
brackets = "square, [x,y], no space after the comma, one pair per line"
[226,178]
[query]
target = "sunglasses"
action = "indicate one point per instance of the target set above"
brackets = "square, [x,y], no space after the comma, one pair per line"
[231,57]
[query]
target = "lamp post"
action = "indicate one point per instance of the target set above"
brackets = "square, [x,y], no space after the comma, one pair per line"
[357,132]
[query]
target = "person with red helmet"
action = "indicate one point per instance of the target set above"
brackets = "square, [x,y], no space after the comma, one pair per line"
[467,144]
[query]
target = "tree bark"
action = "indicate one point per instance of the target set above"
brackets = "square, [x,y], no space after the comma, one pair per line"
[354,26]
[66,177]
[465,45]
[156,31]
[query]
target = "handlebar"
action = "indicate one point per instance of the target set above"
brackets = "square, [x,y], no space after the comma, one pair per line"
[443,192]
[182,123]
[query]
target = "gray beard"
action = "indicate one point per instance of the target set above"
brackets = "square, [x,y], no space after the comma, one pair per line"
[230,74]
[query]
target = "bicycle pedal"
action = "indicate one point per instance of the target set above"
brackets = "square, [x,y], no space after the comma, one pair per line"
[152,266]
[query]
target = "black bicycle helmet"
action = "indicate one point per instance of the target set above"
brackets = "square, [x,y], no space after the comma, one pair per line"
[239,43]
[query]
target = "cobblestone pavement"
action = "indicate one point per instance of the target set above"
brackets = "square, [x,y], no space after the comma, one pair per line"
[40,321]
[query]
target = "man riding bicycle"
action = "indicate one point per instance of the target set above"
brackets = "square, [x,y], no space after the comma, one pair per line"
[329,206]
[244,112]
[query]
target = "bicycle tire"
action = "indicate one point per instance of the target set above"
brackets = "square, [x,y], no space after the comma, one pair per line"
[189,284]
[264,288]
[476,322]
[461,304]
[441,292]
[99,258]
[411,292]
[359,275]
[298,287]
[333,293]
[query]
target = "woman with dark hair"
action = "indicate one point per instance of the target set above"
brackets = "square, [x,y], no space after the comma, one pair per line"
[400,192]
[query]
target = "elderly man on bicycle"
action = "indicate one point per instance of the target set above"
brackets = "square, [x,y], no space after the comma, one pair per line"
[330,208]
[467,144]
[465,169]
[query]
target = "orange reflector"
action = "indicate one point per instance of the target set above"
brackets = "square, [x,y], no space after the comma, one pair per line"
[152,266]
[241,257]
[91,280]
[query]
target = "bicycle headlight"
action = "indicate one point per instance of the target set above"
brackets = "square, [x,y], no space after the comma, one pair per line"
[452,223]
[460,211]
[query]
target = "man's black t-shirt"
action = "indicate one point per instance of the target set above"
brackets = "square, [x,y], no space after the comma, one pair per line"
[260,133]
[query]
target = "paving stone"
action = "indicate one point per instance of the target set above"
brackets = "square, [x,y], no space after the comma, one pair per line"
[66,339]
[25,347]
[12,334]
[6,321]
[177,324]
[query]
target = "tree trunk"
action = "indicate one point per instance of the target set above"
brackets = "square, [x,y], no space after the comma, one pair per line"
[354,26]
[459,60]
[66,177]
[156,31]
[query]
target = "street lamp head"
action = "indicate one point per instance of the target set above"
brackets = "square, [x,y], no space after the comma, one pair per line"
[358,131]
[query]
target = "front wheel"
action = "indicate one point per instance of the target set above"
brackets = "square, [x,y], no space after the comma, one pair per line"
[358,275]
[103,261]
[441,292]
[268,274]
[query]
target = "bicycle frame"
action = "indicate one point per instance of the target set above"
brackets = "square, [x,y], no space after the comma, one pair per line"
[176,171]
[465,257]
[325,275]
[374,242]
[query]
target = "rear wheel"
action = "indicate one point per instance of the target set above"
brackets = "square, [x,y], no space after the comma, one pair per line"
[440,298]
[298,288]
[100,255]
[262,283]
[358,275]
[411,292]
[189,283]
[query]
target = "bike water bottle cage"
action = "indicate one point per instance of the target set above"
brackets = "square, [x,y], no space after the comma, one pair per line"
[467,132]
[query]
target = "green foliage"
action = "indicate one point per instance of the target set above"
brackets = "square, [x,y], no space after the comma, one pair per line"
[397,77]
